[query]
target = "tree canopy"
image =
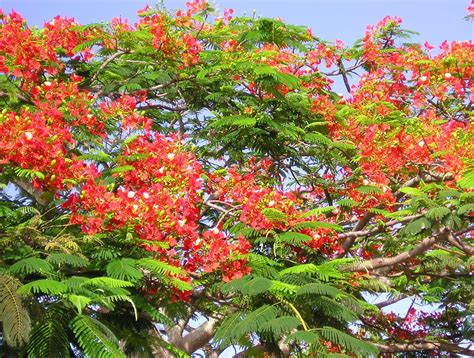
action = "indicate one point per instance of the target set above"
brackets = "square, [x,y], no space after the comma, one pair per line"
[193,182]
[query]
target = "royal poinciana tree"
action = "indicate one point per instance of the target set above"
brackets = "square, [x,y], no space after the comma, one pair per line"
[193,182]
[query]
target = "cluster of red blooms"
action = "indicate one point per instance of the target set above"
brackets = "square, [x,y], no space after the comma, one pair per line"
[246,193]
[28,54]
[125,108]
[160,198]
[438,138]
[39,138]
[416,323]
[160,26]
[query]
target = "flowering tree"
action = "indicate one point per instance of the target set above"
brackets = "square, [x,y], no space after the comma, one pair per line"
[192,181]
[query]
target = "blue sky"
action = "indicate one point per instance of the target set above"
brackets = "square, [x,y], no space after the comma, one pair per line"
[436,20]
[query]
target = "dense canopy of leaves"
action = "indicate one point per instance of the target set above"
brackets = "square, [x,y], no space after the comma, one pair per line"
[194,182]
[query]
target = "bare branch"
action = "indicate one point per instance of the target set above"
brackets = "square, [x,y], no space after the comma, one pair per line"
[105,64]
[376,230]
[37,195]
[378,263]
[424,346]
[196,339]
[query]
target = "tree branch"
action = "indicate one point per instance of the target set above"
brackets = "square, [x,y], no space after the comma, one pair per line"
[376,230]
[426,177]
[196,339]
[378,263]
[37,195]
[424,346]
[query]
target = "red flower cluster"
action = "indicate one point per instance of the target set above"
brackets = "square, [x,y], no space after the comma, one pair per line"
[255,201]
[168,40]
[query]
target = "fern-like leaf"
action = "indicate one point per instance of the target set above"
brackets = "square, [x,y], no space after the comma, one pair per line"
[31,265]
[95,339]
[15,317]
[106,282]
[67,259]
[48,338]
[46,286]
[318,289]
[124,269]
[248,286]
[280,325]
[350,343]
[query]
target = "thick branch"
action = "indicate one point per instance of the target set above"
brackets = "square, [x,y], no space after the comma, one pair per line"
[376,230]
[37,195]
[20,97]
[426,177]
[382,262]
[390,301]
[424,346]
[105,64]
[196,339]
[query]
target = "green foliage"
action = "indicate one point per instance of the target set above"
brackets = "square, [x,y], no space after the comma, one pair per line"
[318,289]
[248,285]
[61,259]
[106,282]
[94,338]
[255,92]
[31,265]
[13,314]
[48,337]
[362,349]
[467,181]
[124,269]
[45,286]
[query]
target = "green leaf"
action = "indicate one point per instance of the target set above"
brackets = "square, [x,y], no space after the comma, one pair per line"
[466,209]
[302,336]
[95,339]
[79,301]
[347,341]
[237,121]
[318,138]
[166,272]
[159,267]
[67,259]
[124,269]
[248,286]
[347,203]
[467,182]
[13,314]
[318,289]
[411,191]
[368,189]
[106,282]
[417,226]
[274,214]
[437,213]
[317,211]
[317,225]
[284,288]
[49,287]
[253,321]
[31,265]
[293,237]
[48,337]
[280,325]
[121,169]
